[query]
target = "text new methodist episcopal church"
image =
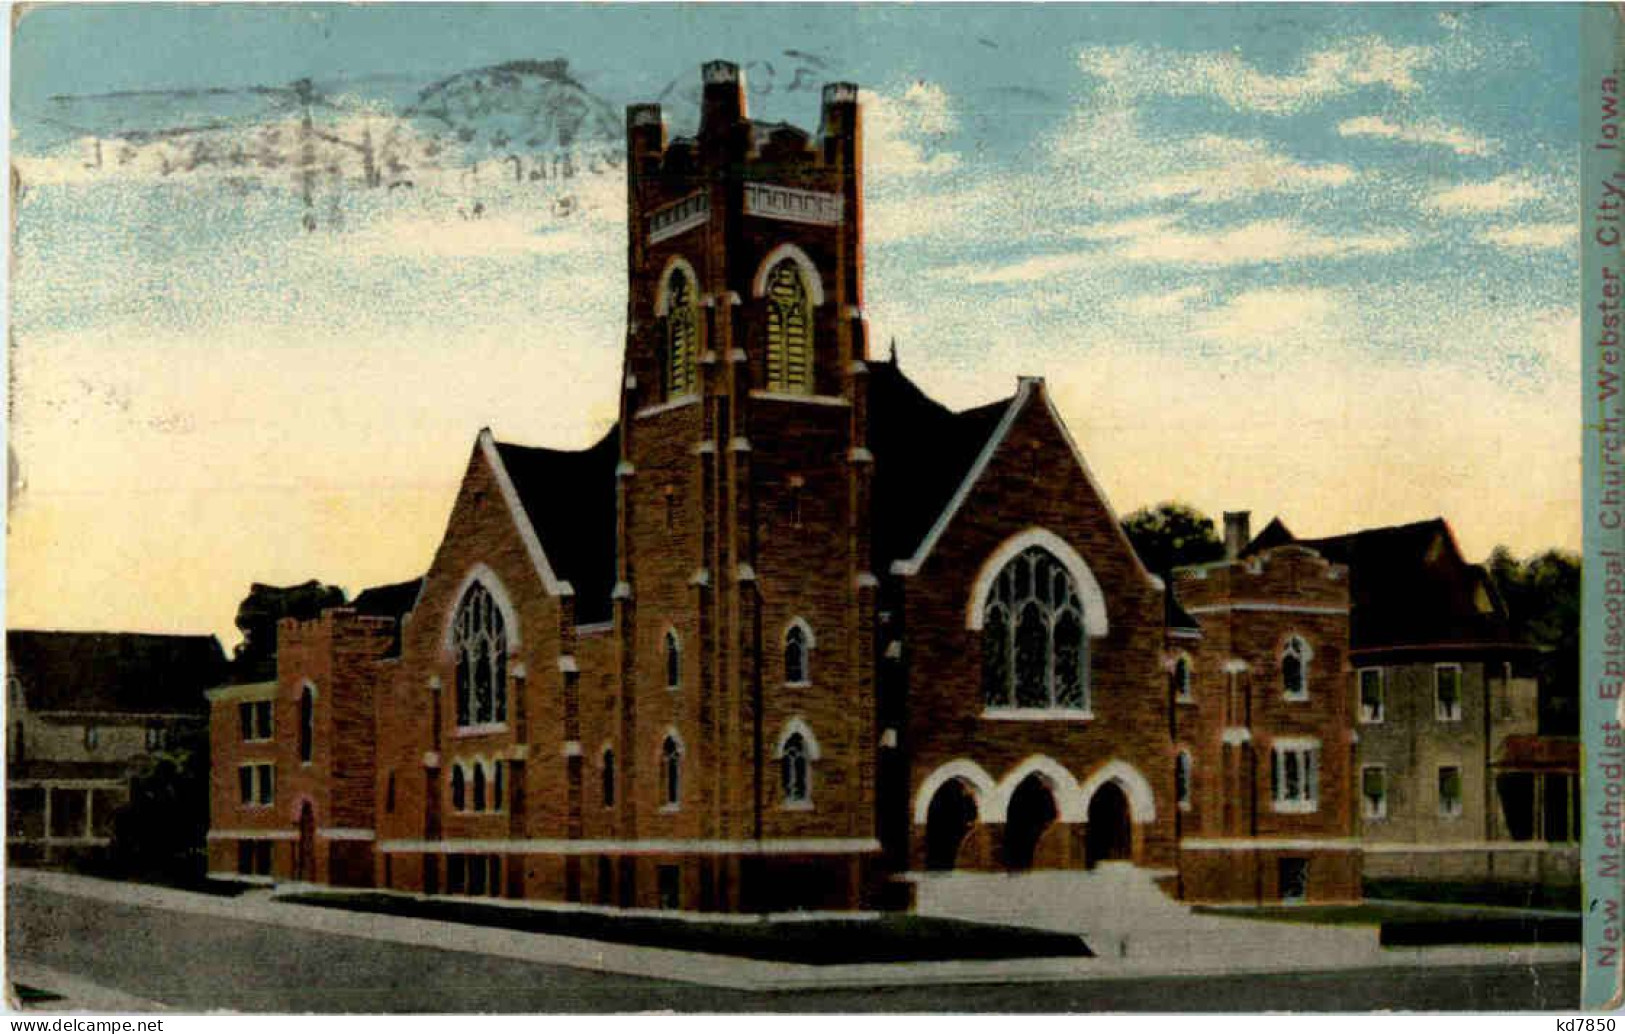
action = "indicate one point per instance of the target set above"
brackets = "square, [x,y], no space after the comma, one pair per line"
[792,630]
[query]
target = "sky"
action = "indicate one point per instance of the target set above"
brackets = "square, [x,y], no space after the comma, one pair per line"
[1311,261]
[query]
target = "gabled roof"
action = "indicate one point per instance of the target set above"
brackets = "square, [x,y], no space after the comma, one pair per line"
[115,672]
[568,496]
[923,452]
[1411,586]
[388,601]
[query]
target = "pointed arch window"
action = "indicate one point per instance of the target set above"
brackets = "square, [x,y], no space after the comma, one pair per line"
[479,786]
[1295,656]
[1179,678]
[498,785]
[307,725]
[789,330]
[674,659]
[1035,646]
[682,335]
[1182,779]
[481,645]
[607,775]
[798,642]
[793,774]
[459,798]
[671,772]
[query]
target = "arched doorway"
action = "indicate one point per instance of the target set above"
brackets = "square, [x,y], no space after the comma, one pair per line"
[305,863]
[949,821]
[1109,837]
[1032,813]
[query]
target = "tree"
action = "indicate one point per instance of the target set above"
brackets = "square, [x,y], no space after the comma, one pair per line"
[1171,535]
[159,833]
[1542,596]
[254,660]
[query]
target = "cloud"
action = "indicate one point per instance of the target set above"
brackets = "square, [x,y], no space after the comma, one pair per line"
[1431,133]
[905,132]
[1267,318]
[1534,236]
[1159,240]
[1269,241]
[1153,306]
[1346,65]
[1496,195]
[1110,151]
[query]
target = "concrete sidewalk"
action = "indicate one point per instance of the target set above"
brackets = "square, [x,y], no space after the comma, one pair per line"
[1243,947]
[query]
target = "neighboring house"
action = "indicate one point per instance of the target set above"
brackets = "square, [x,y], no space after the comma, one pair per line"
[1454,781]
[292,779]
[85,711]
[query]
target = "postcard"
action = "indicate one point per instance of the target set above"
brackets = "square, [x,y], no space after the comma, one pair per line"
[785,508]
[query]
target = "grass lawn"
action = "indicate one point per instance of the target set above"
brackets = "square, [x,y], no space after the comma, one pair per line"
[1423,923]
[1510,895]
[819,942]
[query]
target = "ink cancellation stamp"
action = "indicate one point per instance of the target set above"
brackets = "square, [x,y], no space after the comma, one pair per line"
[905,505]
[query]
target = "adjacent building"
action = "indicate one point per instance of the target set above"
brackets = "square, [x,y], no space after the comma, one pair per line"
[85,711]
[1455,781]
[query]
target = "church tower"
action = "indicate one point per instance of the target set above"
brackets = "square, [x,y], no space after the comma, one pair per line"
[744,603]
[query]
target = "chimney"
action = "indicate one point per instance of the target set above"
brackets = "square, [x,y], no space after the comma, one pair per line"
[1237,532]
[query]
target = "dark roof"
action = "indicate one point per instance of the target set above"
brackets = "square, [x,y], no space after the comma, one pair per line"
[1410,585]
[1552,753]
[388,601]
[1175,616]
[922,450]
[115,671]
[569,497]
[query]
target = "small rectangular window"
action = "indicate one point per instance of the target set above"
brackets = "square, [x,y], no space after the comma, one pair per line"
[1447,692]
[1371,694]
[1374,792]
[267,783]
[245,784]
[245,720]
[262,718]
[1295,778]
[1449,792]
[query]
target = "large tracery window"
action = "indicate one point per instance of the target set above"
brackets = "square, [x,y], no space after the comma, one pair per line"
[1035,652]
[481,643]
[789,330]
[682,335]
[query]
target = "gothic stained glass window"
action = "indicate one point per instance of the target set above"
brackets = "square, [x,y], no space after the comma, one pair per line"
[789,330]
[481,643]
[1035,649]
[682,335]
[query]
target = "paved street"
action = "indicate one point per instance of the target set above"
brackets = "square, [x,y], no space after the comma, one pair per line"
[196,964]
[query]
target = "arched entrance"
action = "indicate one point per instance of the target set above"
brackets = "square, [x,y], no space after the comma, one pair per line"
[1032,813]
[947,823]
[305,862]
[1109,836]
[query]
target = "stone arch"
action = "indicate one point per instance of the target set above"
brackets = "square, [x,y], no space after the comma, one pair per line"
[1094,600]
[676,262]
[809,272]
[481,572]
[793,726]
[1071,804]
[1141,801]
[984,789]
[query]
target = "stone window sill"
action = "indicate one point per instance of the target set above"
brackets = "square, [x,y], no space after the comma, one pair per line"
[1036,714]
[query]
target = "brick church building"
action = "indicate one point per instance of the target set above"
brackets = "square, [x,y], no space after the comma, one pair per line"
[792,630]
